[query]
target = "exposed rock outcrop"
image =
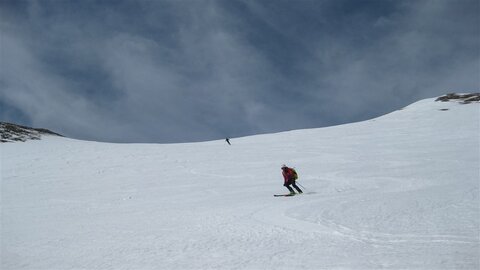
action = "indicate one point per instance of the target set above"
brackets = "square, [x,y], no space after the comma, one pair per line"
[16,133]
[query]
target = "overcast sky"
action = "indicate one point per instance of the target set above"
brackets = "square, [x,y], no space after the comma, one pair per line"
[179,71]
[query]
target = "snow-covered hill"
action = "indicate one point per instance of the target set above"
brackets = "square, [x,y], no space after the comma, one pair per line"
[397,192]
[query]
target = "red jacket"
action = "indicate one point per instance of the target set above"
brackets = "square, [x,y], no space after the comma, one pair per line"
[288,175]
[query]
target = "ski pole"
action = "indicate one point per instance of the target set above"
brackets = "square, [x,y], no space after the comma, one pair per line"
[301,185]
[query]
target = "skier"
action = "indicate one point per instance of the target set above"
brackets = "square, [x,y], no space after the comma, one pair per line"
[228,141]
[289,176]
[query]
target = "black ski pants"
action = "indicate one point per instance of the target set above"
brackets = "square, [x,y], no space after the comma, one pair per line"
[292,182]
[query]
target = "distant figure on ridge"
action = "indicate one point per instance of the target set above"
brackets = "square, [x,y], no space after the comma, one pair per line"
[228,141]
[289,177]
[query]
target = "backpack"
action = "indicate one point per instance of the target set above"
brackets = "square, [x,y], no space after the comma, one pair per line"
[295,175]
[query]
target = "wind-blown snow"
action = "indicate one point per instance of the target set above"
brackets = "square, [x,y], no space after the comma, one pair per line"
[397,192]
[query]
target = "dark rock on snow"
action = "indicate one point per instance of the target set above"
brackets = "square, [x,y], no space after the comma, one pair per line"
[462,98]
[16,133]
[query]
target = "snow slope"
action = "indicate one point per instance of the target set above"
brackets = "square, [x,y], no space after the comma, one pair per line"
[397,192]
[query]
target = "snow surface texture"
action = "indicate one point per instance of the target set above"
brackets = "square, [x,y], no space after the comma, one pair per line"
[397,192]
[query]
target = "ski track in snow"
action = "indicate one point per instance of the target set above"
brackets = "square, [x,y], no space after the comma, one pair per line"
[397,192]
[325,225]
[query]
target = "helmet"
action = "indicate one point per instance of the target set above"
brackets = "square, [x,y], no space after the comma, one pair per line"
[284,166]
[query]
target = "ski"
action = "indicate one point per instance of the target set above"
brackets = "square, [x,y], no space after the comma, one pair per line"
[283,195]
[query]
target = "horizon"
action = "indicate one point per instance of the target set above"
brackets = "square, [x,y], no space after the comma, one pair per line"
[462,98]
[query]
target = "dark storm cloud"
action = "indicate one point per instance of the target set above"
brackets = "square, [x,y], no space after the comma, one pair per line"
[171,71]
